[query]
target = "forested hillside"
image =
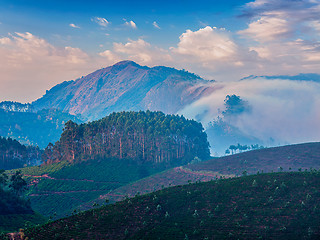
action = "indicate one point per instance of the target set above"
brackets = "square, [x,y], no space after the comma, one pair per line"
[95,158]
[15,155]
[265,206]
[144,136]
[32,128]
[15,210]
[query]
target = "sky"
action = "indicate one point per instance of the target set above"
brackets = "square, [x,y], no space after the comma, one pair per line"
[43,43]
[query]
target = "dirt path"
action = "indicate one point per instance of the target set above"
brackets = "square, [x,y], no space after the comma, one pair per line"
[46,176]
[64,192]
[201,173]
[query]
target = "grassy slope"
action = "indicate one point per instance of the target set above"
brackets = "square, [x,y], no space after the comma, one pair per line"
[297,156]
[56,190]
[268,206]
[304,156]
[171,177]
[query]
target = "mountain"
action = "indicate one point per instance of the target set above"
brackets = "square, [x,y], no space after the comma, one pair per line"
[15,155]
[310,77]
[16,106]
[32,127]
[265,206]
[125,86]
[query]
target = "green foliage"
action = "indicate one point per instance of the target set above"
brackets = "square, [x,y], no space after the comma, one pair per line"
[201,211]
[11,201]
[17,183]
[15,155]
[235,105]
[3,178]
[15,211]
[145,136]
[62,187]
[14,222]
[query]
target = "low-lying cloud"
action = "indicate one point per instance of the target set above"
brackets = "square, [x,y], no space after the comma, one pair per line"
[286,111]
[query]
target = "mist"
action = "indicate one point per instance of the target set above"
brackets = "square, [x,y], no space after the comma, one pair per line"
[282,111]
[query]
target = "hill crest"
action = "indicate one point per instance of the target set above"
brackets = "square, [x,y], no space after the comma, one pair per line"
[125,86]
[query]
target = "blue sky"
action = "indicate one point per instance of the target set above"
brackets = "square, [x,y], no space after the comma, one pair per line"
[43,43]
[52,19]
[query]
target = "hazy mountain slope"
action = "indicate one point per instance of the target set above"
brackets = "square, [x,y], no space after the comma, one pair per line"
[267,206]
[312,77]
[125,86]
[34,128]
[16,106]
[15,155]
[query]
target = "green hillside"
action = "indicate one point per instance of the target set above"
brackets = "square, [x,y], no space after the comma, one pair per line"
[93,159]
[264,206]
[57,189]
[286,158]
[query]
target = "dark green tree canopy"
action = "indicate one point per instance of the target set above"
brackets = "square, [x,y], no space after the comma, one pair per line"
[144,136]
[235,105]
[17,183]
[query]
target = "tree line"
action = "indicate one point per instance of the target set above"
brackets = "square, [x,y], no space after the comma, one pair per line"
[15,155]
[144,136]
[11,190]
[242,148]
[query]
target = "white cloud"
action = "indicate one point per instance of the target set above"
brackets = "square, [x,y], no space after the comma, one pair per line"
[29,65]
[316,26]
[140,51]
[101,21]
[268,28]
[131,24]
[284,110]
[5,41]
[206,44]
[73,25]
[155,24]
[286,36]
[110,56]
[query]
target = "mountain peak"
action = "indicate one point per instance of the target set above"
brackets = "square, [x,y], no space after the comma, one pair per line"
[125,62]
[125,86]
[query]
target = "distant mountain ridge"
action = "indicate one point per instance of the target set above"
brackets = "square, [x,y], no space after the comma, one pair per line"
[310,77]
[10,106]
[125,86]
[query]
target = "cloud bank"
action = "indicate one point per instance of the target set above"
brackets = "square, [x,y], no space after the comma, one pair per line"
[283,110]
